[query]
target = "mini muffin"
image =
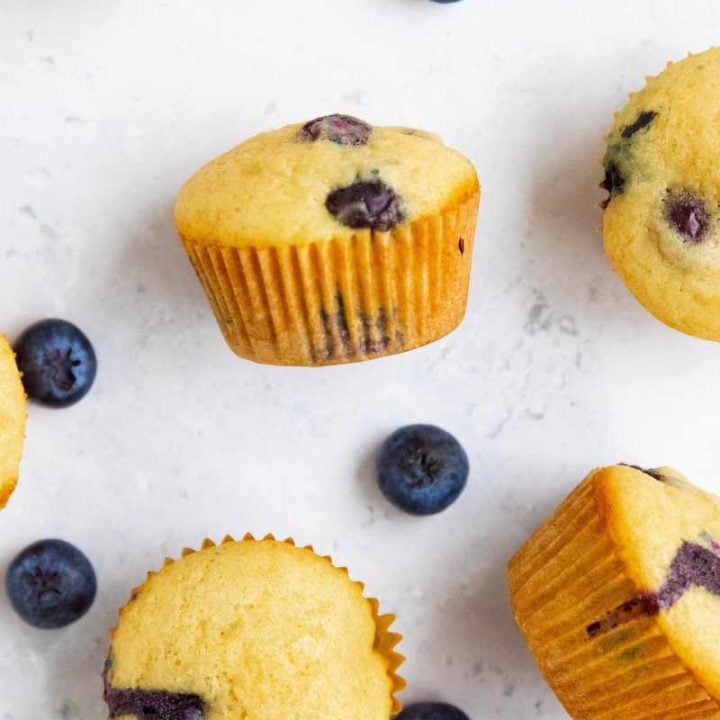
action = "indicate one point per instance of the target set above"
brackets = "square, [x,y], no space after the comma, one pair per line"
[255,629]
[12,421]
[662,220]
[618,596]
[332,241]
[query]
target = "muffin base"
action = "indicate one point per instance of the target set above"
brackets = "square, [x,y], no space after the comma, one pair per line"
[343,300]
[569,575]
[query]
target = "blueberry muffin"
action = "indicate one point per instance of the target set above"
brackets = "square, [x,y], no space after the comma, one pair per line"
[332,241]
[255,629]
[662,219]
[12,421]
[618,596]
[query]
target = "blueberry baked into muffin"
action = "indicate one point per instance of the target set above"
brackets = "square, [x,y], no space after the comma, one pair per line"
[618,597]
[256,629]
[662,218]
[12,421]
[332,241]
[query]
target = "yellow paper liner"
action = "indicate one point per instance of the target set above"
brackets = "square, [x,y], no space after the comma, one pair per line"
[6,490]
[342,300]
[385,640]
[569,575]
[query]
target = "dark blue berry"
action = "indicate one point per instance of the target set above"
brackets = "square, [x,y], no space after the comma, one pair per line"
[57,361]
[445,1]
[422,469]
[614,181]
[366,204]
[642,121]
[51,584]
[652,472]
[340,129]
[154,705]
[687,214]
[431,711]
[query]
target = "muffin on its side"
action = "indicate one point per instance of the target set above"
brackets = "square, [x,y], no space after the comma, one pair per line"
[662,219]
[256,629]
[12,421]
[618,597]
[332,241]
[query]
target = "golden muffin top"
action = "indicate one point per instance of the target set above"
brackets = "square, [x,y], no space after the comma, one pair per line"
[325,179]
[662,221]
[12,421]
[260,630]
[668,534]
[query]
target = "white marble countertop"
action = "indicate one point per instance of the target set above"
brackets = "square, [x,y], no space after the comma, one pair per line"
[109,105]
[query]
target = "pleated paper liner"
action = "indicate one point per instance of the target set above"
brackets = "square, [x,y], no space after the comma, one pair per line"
[385,639]
[567,576]
[342,300]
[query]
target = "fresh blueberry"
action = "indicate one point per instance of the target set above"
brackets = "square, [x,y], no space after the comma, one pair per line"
[431,711]
[51,584]
[366,204]
[687,214]
[340,129]
[445,1]
[57,361]
[422,469]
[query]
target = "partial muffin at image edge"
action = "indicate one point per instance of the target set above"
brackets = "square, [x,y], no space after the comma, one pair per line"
[662,219]
[332,241]
[256,628]
[618,597]
[12,421]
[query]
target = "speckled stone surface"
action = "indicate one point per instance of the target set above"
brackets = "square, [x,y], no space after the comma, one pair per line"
[109,106]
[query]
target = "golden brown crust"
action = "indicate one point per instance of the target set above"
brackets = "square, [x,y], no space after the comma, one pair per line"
[271,190]
[674,277]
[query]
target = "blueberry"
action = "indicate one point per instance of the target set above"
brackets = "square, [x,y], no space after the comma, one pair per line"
[614,181]
[154,704]
[57,361]
[431,711]
[340,129]
[366,204]
[687,214]
[643,120]
[445,1]
[422,469]
[51,584]
[652,472]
